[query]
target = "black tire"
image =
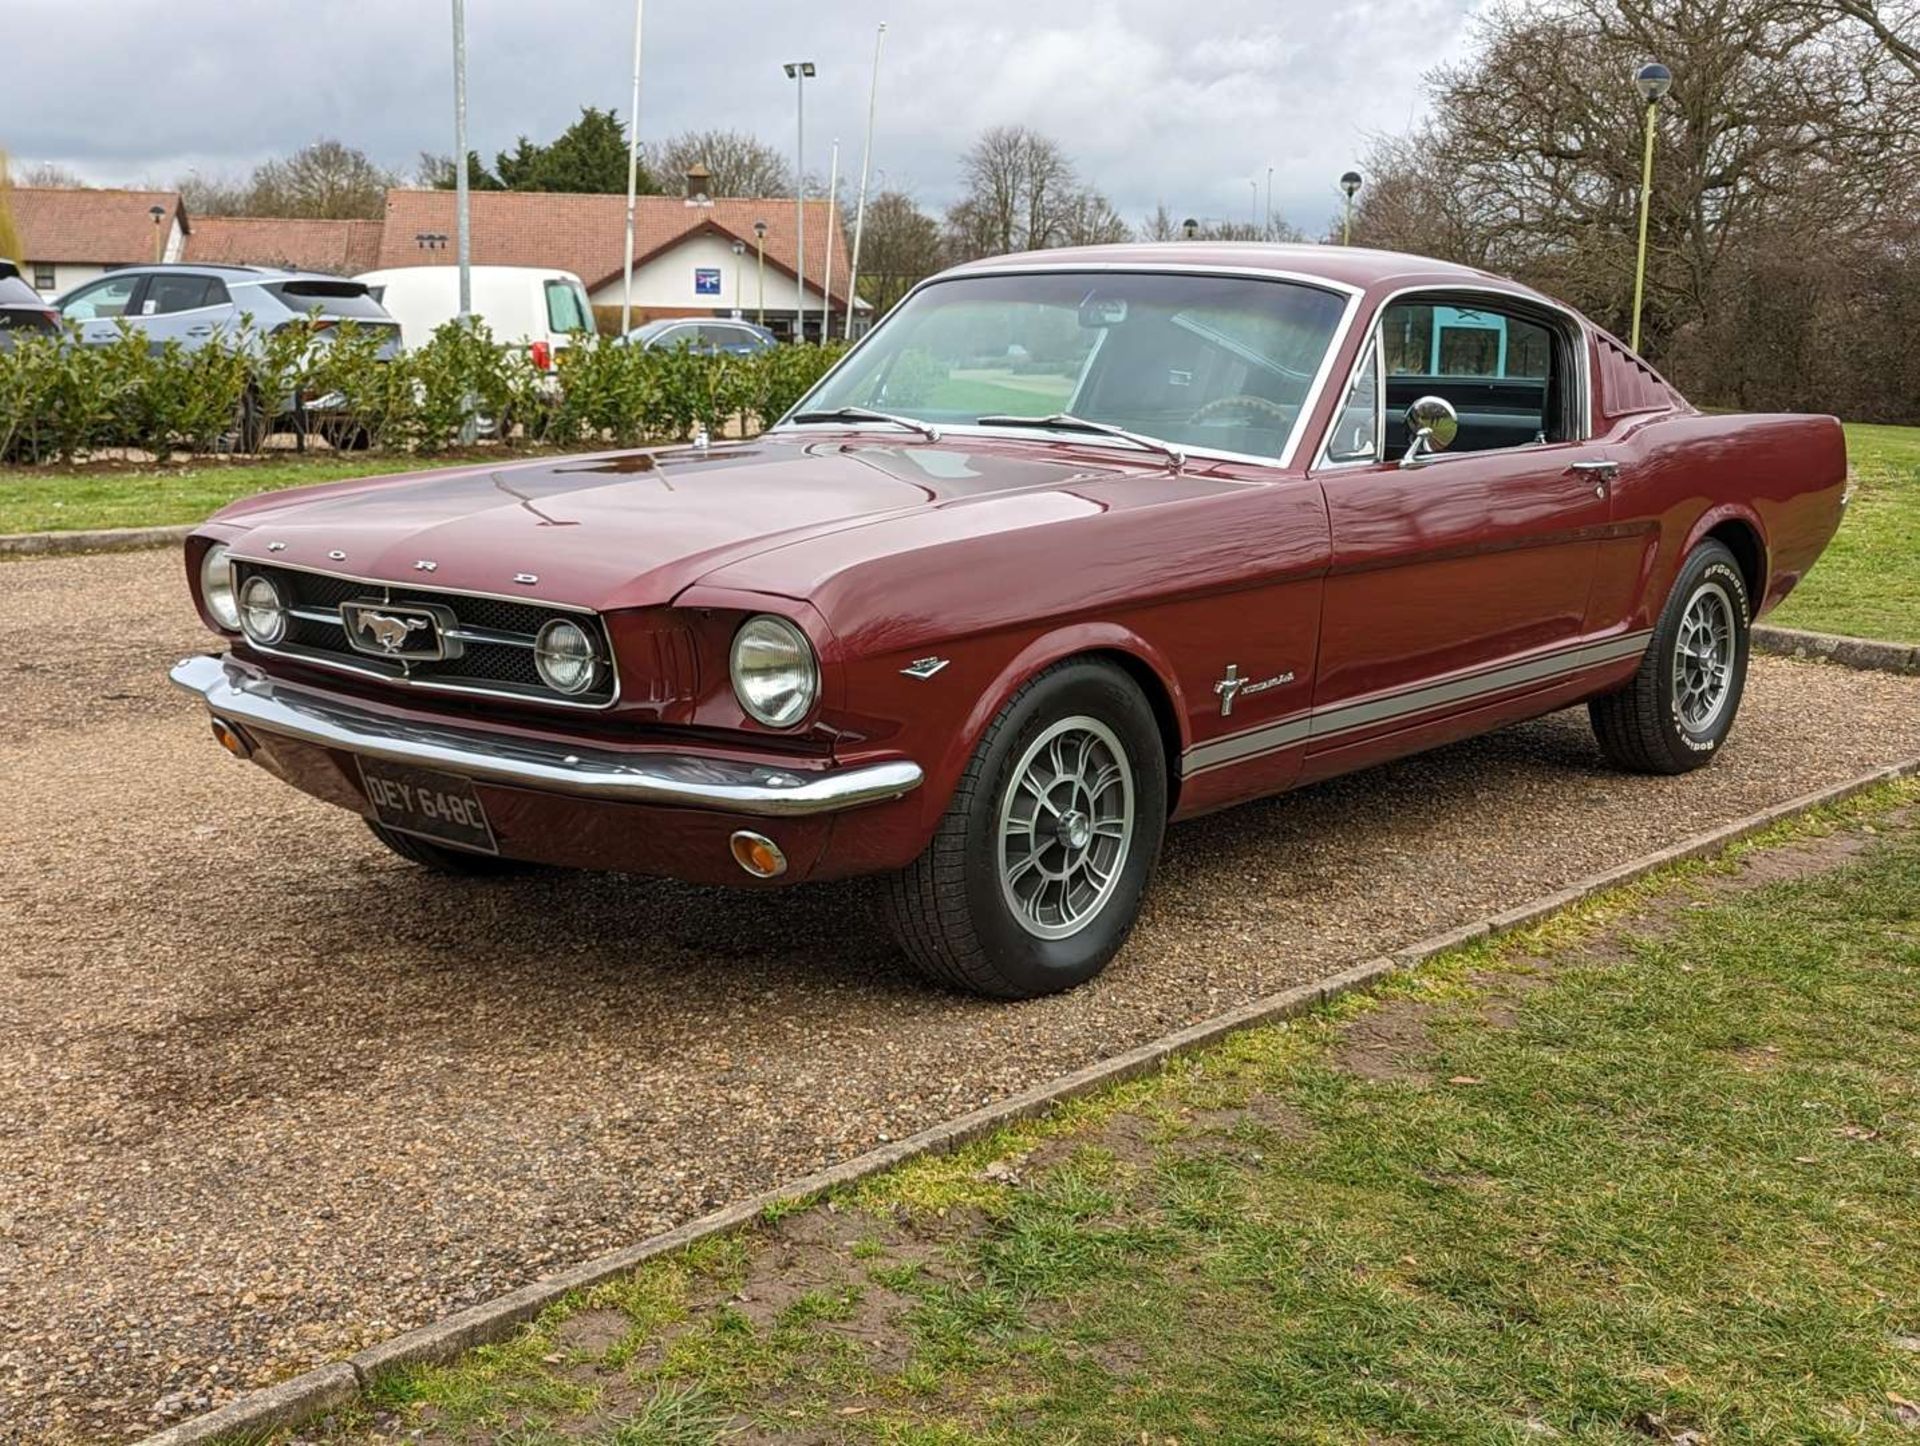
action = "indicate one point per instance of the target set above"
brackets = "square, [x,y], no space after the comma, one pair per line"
[442,860]
[950,909]
[1649,726]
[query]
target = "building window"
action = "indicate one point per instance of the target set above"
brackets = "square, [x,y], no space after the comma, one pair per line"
[42,276]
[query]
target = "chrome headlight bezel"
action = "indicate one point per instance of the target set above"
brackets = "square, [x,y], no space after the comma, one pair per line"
[775,674]
[263,610]
[551,660]
[216,587]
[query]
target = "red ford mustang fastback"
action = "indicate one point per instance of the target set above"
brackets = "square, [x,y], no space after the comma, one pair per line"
[1073,544]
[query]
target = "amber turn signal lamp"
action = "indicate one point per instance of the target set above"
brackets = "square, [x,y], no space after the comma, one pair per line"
[758,855]
[230,739]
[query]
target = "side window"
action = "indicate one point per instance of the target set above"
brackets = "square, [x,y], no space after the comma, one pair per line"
[1356,430]
[167,294]
[563,307]
[103,299]
[1499,369]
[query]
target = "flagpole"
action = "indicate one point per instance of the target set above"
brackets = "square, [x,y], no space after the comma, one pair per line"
[826,285]
[866,161]
[633,176]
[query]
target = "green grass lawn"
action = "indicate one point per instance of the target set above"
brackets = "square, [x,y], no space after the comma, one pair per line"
[46,499]
[1645,1171]
[1868,583]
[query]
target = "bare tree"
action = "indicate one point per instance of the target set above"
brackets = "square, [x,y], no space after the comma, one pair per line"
[324,181]
[739,164]
[49,176]
[213,195]
[902,245]
[1022,195]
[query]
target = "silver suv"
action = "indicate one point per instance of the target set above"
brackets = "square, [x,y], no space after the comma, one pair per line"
[199,305]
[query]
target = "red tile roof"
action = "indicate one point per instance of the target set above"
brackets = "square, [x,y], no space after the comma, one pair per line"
[585,234]
[343,248]
[107,227]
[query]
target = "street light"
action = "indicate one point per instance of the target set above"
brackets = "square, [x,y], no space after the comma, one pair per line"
[760,244]
[1652,80]
[1349,183]
[739,250]
[159,236]
[800,72]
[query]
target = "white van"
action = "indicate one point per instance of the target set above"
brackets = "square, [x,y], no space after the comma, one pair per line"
[526,306]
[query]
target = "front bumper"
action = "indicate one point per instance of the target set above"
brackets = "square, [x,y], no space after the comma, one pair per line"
[244,696]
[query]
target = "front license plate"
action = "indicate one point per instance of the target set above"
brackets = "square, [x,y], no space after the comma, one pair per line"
[434,805]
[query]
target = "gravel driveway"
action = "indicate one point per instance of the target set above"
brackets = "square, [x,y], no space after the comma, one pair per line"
[268,1094]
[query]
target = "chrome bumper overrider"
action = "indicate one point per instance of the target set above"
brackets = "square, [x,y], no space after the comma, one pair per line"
[244,696]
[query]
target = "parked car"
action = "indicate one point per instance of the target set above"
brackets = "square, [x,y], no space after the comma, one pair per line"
[542,311]
[1234,519]
[205,305]
[22,309]
[709,337]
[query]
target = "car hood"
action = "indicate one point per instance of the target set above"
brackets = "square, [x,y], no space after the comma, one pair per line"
[633,529]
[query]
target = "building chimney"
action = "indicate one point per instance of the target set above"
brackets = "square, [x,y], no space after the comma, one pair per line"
[699,185]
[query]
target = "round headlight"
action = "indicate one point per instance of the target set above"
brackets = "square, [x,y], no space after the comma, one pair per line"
[774,673]
[263,612]
[216,586]
[564,655]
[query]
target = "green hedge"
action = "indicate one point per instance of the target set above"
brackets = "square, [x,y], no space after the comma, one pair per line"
[60,401]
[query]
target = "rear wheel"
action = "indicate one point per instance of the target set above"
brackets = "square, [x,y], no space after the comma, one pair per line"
[443,860]
[1034,877]
[1680,706]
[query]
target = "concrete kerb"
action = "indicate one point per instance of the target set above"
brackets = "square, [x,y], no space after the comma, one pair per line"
[316,1392]
[1866,653]
[111,539]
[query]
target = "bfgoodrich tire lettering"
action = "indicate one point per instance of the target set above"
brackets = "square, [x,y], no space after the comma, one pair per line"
[1678,709]
[1067,791]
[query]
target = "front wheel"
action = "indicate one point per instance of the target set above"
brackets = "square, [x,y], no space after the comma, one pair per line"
[1034,876]
[1680,706]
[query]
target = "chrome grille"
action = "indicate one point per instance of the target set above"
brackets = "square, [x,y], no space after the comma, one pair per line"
[496,636]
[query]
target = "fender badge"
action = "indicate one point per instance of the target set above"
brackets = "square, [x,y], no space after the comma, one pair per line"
[337,555]
[1233,686]
[425,565]
[276,547]
[525,578]
[924,668]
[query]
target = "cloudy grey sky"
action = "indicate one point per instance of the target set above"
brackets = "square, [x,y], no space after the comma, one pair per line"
[1157,100]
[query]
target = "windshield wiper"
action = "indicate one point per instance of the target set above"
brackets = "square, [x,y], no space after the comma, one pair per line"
[867,414]
[1067,422]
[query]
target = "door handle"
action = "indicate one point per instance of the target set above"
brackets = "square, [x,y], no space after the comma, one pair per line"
[1601,470]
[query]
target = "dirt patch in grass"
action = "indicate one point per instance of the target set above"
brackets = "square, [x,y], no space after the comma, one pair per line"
[1390,1042]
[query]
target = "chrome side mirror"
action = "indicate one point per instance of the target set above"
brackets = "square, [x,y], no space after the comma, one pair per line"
[1432,424]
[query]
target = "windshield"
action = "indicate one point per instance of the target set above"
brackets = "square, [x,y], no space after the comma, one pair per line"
[1219,362]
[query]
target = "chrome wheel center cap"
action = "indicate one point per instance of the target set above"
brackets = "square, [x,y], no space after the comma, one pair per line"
[1075,830]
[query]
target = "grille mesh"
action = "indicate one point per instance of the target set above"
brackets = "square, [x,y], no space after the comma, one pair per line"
[495,667]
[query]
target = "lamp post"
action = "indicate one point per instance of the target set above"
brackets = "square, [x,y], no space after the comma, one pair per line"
[1349,183]
[1269,227]
[1253,206]
[1652,80]
[800,72]
[739,250]
[760,245]
[159,236]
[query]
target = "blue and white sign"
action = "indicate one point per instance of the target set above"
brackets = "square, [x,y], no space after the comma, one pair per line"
[706,281]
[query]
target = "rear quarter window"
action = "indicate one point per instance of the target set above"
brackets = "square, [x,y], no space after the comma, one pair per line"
[565,311]
[347,300]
